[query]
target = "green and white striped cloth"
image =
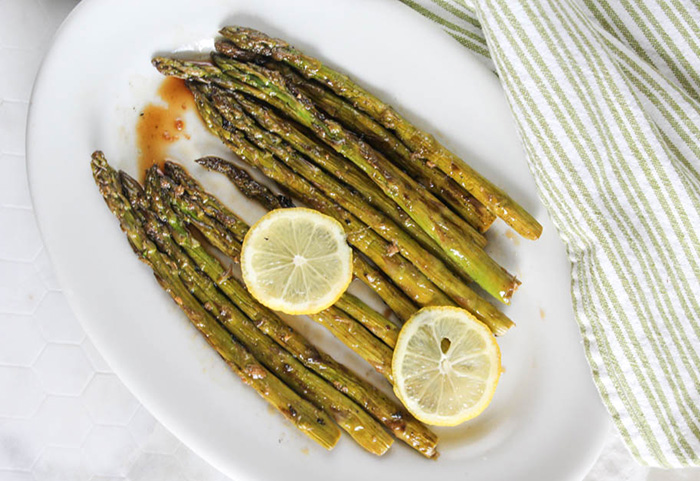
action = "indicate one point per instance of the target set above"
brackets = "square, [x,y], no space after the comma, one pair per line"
[606,96]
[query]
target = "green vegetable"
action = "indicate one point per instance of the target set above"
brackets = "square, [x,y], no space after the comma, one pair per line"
[349,416]
[377,324]
[392,296]
[422,206]
[420,142]
[390,414]
[305,416]
[436,181]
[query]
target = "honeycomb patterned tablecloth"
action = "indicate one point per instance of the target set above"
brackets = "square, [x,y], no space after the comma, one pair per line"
[63,414]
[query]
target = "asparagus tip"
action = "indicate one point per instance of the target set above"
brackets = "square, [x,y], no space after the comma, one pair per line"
[99,159]
[167,67]
[158,62]
[213,163]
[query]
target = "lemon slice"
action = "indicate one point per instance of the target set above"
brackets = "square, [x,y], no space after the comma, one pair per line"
[446,366]
[296,261]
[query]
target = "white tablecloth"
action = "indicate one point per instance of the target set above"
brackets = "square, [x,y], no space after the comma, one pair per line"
[63,414]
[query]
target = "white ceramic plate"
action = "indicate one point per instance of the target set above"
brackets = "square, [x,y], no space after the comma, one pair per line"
[545,422]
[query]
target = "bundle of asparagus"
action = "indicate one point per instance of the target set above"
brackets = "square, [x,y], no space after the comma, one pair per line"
[414,213]
[306,385]
[423,145]
[327,142]
[254,74]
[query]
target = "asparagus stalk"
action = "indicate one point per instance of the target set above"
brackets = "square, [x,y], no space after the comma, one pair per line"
[358,338]
[367,432]
[397,301]
[258,192]
[379,325]
[390,414]
[215,232]
[440,184]
[305,416]
[421,143]
[404,274]
[430,266]
[372,277]
[213,207]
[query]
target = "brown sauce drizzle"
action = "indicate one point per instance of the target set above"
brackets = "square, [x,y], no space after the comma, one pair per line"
[159,126]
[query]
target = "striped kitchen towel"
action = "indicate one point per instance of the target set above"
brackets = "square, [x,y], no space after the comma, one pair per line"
[606,97]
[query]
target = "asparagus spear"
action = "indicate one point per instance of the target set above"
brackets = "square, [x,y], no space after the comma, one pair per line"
[258,192]
[380,138]
[367,432]
[355,336]
[215,232]
[379,325]
[310,420]
[404,274]
[420,142]
[390,414]
[345,328]
[397,301]
[372,277]
[430,266]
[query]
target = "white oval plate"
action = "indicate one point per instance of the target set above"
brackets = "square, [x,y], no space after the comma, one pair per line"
[545,422]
